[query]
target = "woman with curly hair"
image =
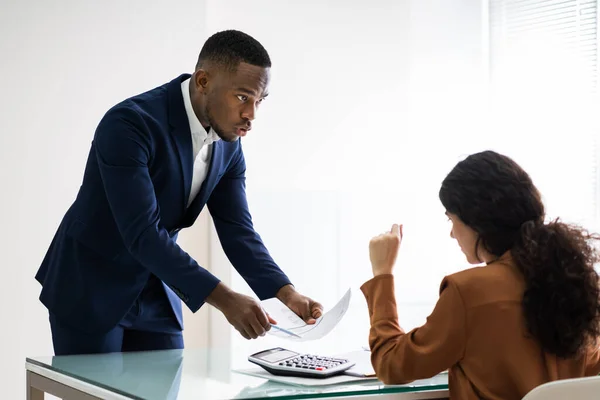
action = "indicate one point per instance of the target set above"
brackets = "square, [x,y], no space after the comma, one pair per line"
[530,315]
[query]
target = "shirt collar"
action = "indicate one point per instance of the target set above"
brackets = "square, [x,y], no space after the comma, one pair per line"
[195,126]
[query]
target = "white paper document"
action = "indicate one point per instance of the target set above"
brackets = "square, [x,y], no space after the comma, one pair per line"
[303,381]
[362,363]
[288,320]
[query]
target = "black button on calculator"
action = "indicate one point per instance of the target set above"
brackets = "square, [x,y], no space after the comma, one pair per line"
[280,361]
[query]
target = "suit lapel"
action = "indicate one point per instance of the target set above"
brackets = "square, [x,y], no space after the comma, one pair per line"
[180,131]
[216,161]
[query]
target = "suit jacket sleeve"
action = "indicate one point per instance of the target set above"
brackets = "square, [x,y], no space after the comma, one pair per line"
[244,248]
[400,357]
[124,150]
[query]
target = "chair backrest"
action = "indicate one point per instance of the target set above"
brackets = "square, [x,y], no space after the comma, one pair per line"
[570,389]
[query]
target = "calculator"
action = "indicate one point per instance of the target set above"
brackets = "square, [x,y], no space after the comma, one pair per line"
[280,361]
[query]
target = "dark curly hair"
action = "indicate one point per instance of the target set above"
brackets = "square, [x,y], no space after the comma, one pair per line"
[229,48]
[496,198]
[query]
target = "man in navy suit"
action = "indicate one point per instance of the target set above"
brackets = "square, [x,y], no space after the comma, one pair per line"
[114,277]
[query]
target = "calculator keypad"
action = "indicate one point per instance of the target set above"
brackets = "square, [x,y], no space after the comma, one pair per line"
[316,363]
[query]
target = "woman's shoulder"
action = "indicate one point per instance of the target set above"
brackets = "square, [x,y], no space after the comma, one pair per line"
[494,282]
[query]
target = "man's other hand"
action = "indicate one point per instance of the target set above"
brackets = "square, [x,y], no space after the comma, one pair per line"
[305,307]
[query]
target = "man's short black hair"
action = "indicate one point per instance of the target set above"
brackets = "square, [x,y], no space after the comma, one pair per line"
[229,48]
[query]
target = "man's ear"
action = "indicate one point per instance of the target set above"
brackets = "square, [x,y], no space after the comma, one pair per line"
[201,79]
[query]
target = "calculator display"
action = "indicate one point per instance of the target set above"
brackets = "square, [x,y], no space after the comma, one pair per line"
[275,356]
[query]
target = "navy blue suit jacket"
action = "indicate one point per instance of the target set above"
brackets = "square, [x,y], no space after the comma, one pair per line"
[124,222]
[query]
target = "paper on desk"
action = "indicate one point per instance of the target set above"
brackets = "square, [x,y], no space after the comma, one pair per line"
[302,381]
[287,319]
[362,363]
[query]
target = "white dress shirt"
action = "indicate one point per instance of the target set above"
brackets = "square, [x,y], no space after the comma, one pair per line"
[201,143]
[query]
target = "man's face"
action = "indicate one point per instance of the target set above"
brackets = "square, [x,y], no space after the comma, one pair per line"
[232,99]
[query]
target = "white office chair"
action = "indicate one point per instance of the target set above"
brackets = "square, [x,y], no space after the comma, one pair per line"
[571,389]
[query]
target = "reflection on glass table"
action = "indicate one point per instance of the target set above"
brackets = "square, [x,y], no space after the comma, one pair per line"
[190,374]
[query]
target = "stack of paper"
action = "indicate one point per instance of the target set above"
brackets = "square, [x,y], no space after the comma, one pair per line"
[363,366]
[302,381]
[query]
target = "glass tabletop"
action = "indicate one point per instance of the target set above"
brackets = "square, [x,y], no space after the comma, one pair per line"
[202,373]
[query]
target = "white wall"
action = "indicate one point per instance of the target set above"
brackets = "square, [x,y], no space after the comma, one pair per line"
[365,97]
[62,65]
[371,103]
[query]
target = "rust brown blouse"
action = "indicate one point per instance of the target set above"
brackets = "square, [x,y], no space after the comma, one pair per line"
[476,331]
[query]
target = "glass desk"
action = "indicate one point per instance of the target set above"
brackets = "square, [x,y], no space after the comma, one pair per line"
[191,374]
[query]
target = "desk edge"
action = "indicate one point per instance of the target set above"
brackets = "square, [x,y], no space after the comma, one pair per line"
[74,382]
